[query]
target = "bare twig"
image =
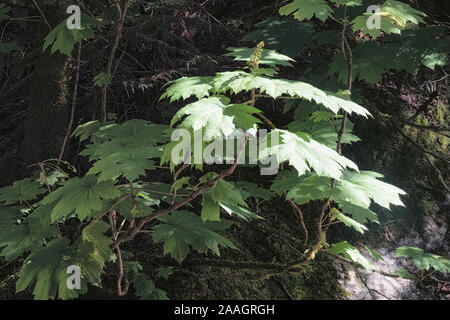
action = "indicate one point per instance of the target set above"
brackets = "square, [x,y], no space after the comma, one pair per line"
[121,14]
[43,15]
[132,232]
[74,103]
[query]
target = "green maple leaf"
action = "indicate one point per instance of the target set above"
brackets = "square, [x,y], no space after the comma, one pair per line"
[424,260]
[360,214]
[353,192]
[87,130]
[20,191]
[185,87]
[83,196]
[7,47]
[348,3]
[216,117]
[3,11]
[306,9]
[359,188]
[146,289]
[349,222]
[277,33]
[124,150]
[102,79]
[131,166]
[44,267]
[239,211]
[225,191]
[225,195]
[240,81]
[303,189]
[17,238]
[406,52]
[164,272]
[403,273]
[268,57]
[375,254]
[325,132]
[318,116]
[90,261]
[182,230]
[350,252]
[285,181]
[305,154]
[137,131]
[177,185]
[394,15]
[63,40]
[249,189]
[143,206]
[210,209]
[94,233]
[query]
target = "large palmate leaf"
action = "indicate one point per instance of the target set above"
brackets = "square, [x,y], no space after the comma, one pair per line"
[348,3]
[359,188]
[186,87]
[249,189]
[268,57]
[394,15]
[123,150]
[353,192]
[278,33]
[138,130]
[349,222]
[320,125]
[146,289]
[17,236]
[227,196]
[45,267]
[352,253]
[131,166]
[83,196]
[302,189]
[3,11]
[239,81]
[406,52]
[216,117]
[306,9]
[7,47]
[94,233]
[182,230]
[305,154]
[360,214]
[424,260]
[210,208]
[63,40]
[21,191]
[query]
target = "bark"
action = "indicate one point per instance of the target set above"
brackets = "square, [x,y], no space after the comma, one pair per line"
[47,116]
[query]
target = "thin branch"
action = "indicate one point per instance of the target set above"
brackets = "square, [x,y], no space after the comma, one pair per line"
[74,103]
[121,14]
[43,15]
[132,232]
[121,277]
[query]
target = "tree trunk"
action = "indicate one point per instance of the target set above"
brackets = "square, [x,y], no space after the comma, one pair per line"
[47,117]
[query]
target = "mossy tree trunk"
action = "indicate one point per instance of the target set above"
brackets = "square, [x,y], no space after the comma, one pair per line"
[47,118]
